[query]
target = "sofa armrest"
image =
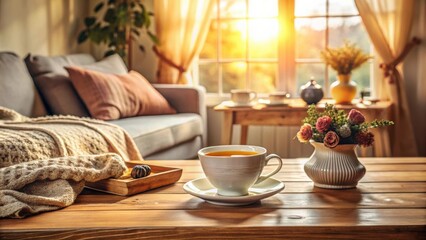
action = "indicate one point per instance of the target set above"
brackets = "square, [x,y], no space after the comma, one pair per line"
[186,99]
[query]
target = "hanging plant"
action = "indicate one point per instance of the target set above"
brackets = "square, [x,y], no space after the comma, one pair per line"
[123,21]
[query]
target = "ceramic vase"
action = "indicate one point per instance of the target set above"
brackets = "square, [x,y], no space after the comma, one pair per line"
[334,168]
[343,90]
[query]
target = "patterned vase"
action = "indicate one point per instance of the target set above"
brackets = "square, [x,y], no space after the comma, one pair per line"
[343,90]
[334,168]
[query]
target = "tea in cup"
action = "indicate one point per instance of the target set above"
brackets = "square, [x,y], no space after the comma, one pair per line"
[233,169]
[241,96]
[278,97]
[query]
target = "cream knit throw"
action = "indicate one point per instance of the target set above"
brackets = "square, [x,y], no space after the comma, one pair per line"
[44,162]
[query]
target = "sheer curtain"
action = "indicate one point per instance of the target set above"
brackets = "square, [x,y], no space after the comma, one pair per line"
[182,26]
[389,24]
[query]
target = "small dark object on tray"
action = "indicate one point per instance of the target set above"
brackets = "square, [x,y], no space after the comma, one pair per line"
[140,171]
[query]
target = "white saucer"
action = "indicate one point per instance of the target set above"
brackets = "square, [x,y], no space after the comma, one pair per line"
[269,104]
[234,104]
[203,189]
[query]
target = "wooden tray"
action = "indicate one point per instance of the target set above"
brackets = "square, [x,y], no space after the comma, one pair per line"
[160,176]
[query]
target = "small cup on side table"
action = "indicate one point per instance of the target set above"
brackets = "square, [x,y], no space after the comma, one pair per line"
[233,169]
[242,96]
[277,98]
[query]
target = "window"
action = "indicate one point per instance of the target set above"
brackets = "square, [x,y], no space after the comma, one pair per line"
[269,45]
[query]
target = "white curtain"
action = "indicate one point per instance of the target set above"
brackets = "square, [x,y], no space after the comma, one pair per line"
[389,24]
[182,27]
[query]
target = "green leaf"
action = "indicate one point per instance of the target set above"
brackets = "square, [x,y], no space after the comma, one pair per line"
[153,37]
[99,6]
[138,21]
[89,21]
[83,36]
[147,21]
[110,16]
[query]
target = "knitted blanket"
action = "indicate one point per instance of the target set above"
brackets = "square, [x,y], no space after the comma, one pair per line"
[44,162]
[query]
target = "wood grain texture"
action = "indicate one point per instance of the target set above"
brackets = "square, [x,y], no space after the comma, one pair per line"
[389,203]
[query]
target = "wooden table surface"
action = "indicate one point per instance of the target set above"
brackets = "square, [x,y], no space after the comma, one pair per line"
[389,203]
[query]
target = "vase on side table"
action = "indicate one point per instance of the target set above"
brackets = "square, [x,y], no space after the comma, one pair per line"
[343,90]
[334,168]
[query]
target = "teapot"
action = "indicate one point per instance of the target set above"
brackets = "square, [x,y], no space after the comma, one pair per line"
[311,92]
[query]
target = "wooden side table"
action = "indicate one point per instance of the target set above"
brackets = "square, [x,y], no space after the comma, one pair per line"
[293,114]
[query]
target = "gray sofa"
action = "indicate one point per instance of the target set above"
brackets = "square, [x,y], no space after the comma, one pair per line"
[175,136]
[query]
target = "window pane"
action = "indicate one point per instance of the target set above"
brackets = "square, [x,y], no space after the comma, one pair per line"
[309,7]
[232,9]
[263,8]
[349,28]
[234,76]
[210,46]
[263,38]
[263,77]
[234,37]
[304,72]
[339,7]
[310,37]
[208,77]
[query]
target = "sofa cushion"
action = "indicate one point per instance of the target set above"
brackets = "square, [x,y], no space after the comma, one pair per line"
[39,65]
[16,86]
[54,84]
[156,133]
[115,96]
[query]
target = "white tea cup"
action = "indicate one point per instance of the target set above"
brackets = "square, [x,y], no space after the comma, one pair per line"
[233,169]
[278,97]
[241,96]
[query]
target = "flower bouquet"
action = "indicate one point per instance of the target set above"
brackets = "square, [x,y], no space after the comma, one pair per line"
[333,127]
[334,135]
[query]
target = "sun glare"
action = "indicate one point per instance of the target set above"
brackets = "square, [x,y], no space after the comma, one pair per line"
[263,30]
[262,24]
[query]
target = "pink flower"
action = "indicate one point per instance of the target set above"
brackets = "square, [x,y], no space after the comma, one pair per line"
[305,133]
[355,117]
[331,139]
[364,139]
[323,124]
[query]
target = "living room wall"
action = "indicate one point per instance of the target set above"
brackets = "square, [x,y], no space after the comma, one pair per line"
[47,27]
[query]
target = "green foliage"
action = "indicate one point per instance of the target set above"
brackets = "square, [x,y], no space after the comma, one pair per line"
[123,21]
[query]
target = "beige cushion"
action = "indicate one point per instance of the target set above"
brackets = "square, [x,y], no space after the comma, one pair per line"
[55,86]
[155,133]
[17,90]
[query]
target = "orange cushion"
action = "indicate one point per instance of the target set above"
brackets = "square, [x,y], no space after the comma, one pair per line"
[114,96]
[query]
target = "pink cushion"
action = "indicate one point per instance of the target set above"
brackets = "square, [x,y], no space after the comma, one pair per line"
[115,96]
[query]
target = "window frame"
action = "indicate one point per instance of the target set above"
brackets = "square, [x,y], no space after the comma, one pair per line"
[286,60]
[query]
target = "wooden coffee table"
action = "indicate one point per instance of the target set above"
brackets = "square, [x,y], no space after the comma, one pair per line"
[389,203]
[293,114]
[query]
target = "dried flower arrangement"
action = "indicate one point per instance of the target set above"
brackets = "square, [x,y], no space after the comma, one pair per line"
[344,59]
[333,127]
